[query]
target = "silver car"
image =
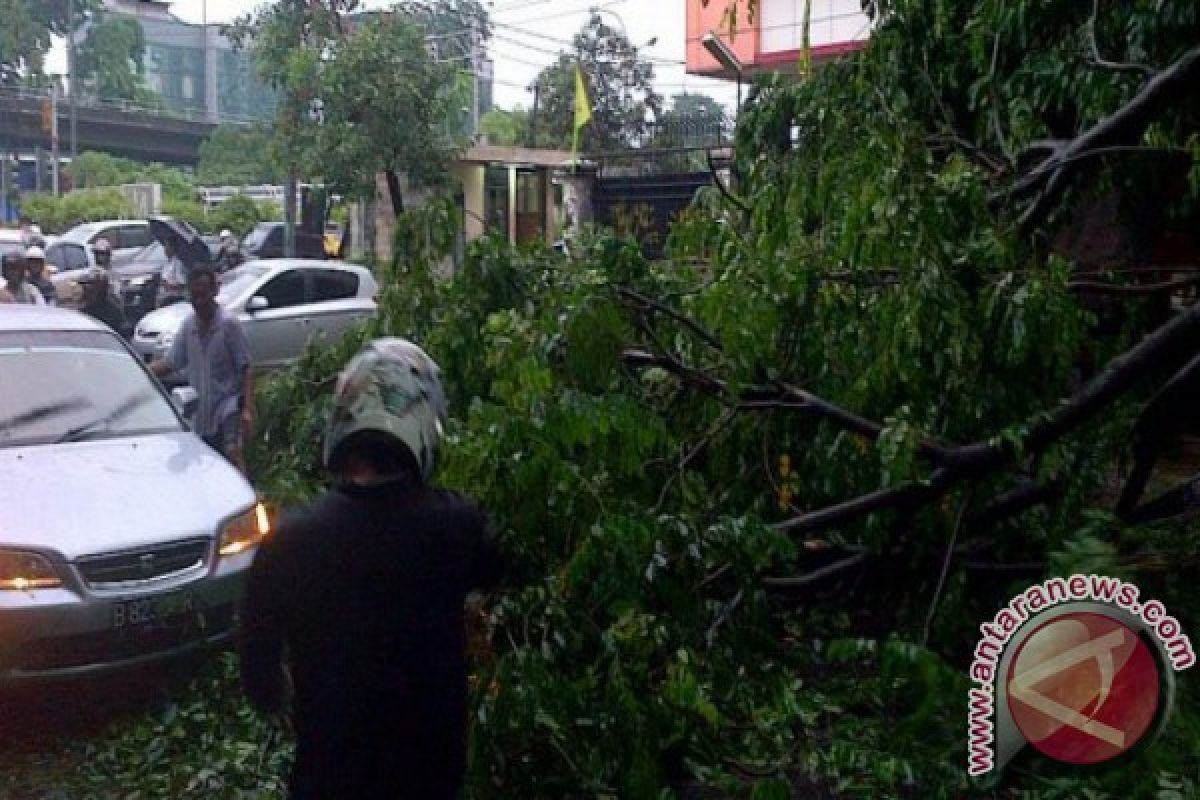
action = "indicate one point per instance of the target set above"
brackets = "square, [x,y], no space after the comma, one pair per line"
[123,538]
[282,305]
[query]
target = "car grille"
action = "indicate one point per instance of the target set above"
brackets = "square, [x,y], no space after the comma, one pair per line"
[177,632]
[131,567]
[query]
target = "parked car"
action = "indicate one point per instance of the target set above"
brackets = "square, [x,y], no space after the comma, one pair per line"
[127,237]
[88,584]
[10,242]
[135,281]
[265,240]
[282,305]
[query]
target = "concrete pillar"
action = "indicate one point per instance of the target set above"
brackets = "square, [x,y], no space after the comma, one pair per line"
[211,98]
[578,180]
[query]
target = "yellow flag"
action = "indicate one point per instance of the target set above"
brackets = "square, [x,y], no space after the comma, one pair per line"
[583,107]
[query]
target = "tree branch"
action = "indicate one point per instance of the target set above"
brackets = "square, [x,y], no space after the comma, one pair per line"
[1123,127]
[1099,60]
[1100,287]
[760,397]
[818,575]
[642,303]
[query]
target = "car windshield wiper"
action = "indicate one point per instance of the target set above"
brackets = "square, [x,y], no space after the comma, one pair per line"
[124,409]
[42,412]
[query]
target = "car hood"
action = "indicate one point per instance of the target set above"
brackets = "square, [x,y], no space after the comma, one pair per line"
[167,318]
[93,497]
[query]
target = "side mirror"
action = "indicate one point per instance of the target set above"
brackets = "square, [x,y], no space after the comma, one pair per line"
[185,399]
[258,303]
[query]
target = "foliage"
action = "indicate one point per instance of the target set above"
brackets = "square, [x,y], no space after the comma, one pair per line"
[240,214]
[110,60]
[364,98]
[506,127]
[202,741]
[385,110]
[641,653]
[92,169]
[620,89]
[57,214]
[26,35]
[235,155]
[187,209]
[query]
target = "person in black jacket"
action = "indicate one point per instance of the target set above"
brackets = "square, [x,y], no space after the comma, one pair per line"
[99,303]
[364,590]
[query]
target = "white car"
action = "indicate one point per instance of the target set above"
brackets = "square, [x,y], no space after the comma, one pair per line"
[73,250]
[123,537]
[282,304]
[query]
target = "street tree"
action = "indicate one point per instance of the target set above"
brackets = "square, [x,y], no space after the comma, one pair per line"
[506,127]
[237,156]
[387,108]
[111,60]
[27,28]
[693,120]
[620,89]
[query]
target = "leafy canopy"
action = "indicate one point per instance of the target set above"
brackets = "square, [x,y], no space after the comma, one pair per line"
[236,155]
[620,87]
[26,34]
[110,60]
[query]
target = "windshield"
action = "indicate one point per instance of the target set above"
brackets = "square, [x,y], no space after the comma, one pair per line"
[237,282]
[257,237]
[151,252]
[75,385]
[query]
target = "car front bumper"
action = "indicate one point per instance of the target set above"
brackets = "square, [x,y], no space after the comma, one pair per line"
[70,632]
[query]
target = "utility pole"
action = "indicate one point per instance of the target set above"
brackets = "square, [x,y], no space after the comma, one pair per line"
[476,65]
[72,84]
[54,138]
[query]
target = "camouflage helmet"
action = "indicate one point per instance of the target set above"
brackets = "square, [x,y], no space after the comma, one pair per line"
[390,387]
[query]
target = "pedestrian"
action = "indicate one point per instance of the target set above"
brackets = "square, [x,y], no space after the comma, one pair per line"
[229,256]
[212,351]
[35,269]
[99,303]
[22,291]
[364,591]
[174,277]
[26,229]
[102,252]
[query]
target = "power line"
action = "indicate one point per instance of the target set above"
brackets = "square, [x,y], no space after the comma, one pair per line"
[517,6]
[513,29]
[588,9]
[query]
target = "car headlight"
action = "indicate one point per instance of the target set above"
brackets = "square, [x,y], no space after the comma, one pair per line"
[21,571]
[244,531]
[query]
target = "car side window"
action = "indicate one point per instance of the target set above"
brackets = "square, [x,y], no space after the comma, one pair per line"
[134,236]
[333,284]
[67,256]
[286,289]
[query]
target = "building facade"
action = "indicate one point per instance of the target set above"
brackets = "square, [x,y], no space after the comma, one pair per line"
[194,69]
[773,37]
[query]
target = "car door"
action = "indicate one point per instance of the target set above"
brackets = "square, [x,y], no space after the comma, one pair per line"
[278,331]
[335,305]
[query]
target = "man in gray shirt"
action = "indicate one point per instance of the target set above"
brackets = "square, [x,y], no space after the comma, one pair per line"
[212,350]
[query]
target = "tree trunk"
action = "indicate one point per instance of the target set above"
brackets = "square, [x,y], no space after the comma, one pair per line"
[395,193]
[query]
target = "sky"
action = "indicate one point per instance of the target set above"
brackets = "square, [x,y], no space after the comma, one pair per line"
[528,35]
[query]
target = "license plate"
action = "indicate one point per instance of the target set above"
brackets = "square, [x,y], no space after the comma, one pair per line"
[149,612]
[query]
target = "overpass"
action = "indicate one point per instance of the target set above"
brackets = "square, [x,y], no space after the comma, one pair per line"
[140,134]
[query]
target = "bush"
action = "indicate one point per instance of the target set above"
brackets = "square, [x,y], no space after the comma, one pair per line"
[240,214]
[59,214]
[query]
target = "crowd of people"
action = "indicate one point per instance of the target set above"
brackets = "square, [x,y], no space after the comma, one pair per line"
[25,279]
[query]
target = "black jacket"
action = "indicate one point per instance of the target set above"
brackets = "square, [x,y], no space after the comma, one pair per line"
[110,313]
[365,590]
